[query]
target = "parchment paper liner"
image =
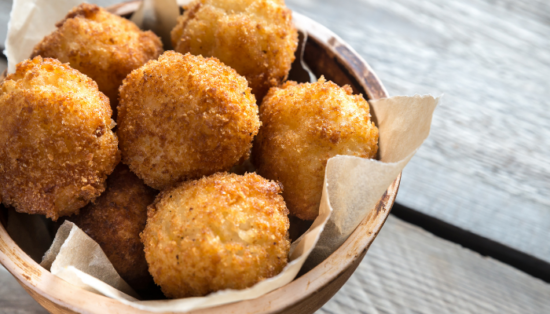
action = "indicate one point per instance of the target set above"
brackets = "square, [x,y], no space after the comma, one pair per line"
[352,186]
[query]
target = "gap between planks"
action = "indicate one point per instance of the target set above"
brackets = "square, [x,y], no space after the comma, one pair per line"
[486,247]
[408,270]
[485,166]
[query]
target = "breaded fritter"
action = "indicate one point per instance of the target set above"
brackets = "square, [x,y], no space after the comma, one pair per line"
[101,45]
[56,143]
[224,231]
[255,37]
[115,221]
[303,125]
[183,117]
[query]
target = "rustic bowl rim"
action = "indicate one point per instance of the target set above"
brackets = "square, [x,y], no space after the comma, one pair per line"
[56,294]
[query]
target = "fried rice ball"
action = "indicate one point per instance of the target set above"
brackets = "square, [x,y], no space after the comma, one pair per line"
[303,125]
[255,37]
[101,45]
[56,143]
[224,231]
[115,221]
[183,117]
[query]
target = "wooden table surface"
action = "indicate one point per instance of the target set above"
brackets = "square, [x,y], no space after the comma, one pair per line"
[484,171]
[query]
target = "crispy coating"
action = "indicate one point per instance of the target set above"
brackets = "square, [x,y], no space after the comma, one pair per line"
[183,117]
[56,143]
[255,37]
[303,126]
[115,221]
[101,45]
[224,231]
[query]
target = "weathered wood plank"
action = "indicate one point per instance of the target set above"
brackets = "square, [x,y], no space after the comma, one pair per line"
[408,270]
[5,8]
[14,299]
[485,167]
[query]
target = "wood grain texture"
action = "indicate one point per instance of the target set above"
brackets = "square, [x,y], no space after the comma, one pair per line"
[486,165]
[306,293]
[14,299]
[408,270]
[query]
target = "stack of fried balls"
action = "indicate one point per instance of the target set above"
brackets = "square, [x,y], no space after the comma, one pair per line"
[99,91]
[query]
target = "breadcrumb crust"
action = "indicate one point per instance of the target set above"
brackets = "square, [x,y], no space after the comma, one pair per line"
[115,221]
[303,125]
[56,143]
[183,117]
[104,46]
[224,231]
[255,37]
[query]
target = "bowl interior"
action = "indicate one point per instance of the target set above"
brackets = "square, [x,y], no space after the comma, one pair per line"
[325,54]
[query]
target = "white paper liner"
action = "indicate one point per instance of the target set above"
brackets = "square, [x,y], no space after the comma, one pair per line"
[78,259]
[352,186]
[30,21]
[73,250]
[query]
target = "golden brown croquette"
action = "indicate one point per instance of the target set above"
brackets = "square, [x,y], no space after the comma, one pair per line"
[224,231]
[101,45]
[115,221]
[56,143]
[183,117]
[255,37]
[303,125]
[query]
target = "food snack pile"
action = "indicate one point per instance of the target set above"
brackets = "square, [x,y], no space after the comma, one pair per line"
[255,37]
[56,143]
[115,221]
[224,231]
[303,125]
[183,117]
[104,46]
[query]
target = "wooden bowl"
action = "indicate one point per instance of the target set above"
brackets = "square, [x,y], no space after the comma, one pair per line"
[326,54]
